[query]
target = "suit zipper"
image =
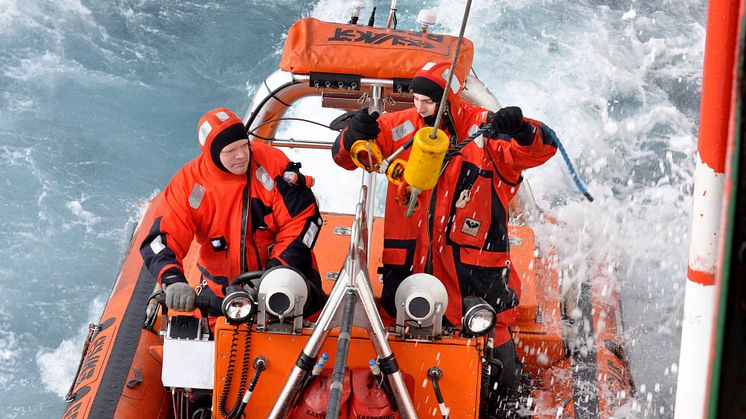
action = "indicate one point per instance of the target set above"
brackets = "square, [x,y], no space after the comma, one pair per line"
[245,221]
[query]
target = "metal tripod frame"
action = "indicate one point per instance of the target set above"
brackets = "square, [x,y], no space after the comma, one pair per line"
[342,310]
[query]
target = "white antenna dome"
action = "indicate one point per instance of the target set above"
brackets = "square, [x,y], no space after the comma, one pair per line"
[426,18]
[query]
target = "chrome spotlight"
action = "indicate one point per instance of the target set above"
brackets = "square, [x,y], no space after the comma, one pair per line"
[479,317]
[282,294]
[421,300]
[238,306]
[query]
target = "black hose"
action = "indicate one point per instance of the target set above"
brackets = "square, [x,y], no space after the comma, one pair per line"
[435,374]
[486,382]
[383,382]
[340,363]
[260,364]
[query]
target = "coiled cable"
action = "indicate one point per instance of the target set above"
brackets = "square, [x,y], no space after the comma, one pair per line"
[229,374]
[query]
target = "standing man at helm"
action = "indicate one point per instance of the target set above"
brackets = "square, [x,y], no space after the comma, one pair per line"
[459,230]
[234,200]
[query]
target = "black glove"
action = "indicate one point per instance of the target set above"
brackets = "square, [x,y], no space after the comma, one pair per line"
[363,126]
[510,121]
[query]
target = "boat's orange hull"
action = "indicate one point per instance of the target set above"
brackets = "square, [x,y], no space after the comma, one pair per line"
[120,375]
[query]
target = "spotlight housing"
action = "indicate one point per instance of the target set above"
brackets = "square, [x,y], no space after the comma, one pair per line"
[479,317]
[282,294]
[421,301]
[238,306]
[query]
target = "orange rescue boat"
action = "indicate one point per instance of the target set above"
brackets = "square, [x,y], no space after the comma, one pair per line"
[142,362]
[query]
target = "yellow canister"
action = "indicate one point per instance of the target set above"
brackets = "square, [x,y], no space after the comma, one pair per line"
[426,159]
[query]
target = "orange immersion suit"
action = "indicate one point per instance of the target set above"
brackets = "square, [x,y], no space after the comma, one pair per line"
[459,233]
[242,222]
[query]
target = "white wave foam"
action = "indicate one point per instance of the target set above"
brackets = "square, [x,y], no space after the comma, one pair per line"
[9,354]
[48,18]
[41,66]
[339,11]
[74,6]
[84,217]
[48,68]
[57,366]
[9,13]
[16,104]
[15,156]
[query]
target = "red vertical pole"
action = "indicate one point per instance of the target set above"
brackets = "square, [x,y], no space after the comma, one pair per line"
[697,339]
[726,384]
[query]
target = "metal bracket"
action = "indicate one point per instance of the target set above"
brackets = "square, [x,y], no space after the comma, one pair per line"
[351,302]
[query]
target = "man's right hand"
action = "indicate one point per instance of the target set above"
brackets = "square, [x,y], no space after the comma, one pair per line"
[363,126]
[508,120]
[180,296]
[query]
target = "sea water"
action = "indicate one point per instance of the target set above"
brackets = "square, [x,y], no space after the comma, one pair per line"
[99,103]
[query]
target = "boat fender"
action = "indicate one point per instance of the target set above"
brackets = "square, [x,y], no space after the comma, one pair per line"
[369,398]
[315,398]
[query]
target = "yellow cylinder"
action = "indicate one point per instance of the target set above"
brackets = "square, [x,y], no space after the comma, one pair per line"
[426,159]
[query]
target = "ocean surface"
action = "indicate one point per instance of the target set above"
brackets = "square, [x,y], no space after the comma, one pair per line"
[99,103]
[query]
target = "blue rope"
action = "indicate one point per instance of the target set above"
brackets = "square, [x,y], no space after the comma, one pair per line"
[545,131]
[573,173]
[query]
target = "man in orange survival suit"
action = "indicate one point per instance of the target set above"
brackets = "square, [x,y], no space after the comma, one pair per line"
[245,216]
[459,233]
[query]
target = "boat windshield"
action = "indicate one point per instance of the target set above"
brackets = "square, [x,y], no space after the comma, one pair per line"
[336,189]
